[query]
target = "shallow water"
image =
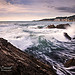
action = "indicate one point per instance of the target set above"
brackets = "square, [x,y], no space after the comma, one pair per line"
[48,45]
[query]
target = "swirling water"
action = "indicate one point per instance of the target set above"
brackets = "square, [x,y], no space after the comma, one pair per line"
[48,45]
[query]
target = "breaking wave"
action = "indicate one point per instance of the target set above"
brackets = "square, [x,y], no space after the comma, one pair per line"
[48,45]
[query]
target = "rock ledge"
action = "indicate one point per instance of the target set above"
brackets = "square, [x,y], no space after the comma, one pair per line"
[13,61]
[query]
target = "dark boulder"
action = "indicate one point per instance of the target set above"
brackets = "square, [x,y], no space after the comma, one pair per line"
[67,36]
[62,26]
[51,26]
[13,61]
[40,27]
[70,62]
[73,37]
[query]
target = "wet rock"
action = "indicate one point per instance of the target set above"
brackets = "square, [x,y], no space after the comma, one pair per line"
[70,63]
[62,26]
[73,37]
[51,26]
[40,27]
[67,36]
[3,42]
[13,61]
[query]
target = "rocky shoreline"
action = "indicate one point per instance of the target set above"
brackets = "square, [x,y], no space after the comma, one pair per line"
[60,26]
[14,61]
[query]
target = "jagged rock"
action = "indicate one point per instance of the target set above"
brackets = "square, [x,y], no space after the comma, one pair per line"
[70,62]
[51,26]
[62,26]
[13,61]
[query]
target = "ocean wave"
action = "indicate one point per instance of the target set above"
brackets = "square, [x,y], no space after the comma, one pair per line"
[48,45]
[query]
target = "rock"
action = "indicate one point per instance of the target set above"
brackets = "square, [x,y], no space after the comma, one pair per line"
[73,37]
[62,26]
[13,61]
[40,27]
[51,26]
[67,36]
[70,62]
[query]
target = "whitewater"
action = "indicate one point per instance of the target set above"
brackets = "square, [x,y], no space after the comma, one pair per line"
[48,45]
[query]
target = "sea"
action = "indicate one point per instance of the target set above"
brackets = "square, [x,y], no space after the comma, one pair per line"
[48,45]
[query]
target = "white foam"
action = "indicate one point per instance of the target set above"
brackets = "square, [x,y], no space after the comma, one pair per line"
[21,39]
[71,30]
[22,43]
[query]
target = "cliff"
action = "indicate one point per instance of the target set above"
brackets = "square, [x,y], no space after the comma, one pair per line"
[13,61]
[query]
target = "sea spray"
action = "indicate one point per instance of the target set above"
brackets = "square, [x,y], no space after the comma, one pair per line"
[71,30]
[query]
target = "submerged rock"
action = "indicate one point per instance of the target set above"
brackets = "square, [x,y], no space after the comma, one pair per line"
[40,27]
[13,61]
[70,63]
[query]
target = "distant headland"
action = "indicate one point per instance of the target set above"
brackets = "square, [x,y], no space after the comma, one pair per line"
[70,19]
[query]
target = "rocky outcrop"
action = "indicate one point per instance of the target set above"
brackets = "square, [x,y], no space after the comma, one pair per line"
[51,26]
[13,61]
[60,26]
[70,63]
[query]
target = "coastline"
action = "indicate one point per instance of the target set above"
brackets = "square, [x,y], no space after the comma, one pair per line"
[60,19]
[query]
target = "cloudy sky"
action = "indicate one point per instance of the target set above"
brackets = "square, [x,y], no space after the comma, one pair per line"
[26,10]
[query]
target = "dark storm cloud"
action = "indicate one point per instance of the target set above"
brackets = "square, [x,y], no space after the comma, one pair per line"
[66,9]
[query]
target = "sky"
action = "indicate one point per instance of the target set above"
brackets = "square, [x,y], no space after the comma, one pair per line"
[28,10]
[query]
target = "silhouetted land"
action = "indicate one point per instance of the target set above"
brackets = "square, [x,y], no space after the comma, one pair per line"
[70,18]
